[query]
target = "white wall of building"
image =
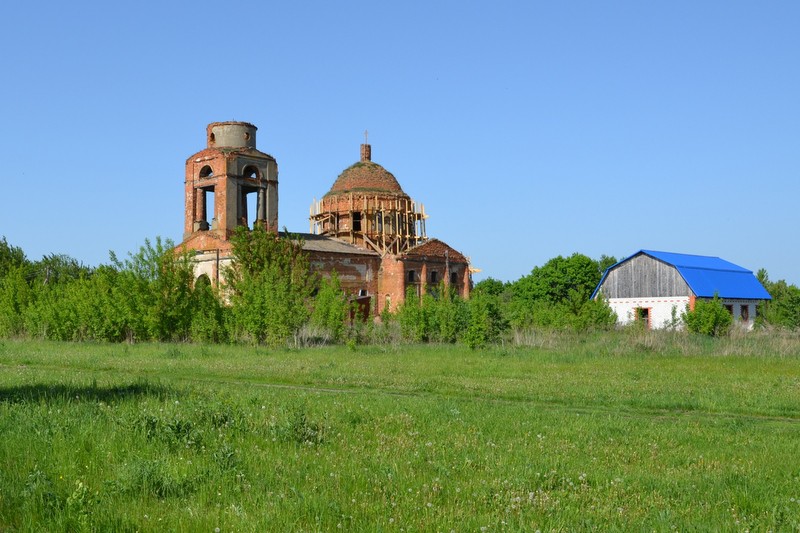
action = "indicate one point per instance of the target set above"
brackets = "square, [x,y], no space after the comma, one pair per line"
[660,310]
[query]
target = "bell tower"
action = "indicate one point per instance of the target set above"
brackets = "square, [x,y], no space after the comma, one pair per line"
[223,179]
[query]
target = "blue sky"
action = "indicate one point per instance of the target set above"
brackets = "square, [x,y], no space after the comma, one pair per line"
[528,129]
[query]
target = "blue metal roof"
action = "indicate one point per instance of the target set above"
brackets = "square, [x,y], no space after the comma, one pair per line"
[707,276]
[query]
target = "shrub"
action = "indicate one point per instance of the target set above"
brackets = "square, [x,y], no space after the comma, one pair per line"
[15,296]
[709,317]
[486,322]
[331,308]
[270,283]
[413,318]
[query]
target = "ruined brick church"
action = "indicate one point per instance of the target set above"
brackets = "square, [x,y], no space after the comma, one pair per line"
[365,227]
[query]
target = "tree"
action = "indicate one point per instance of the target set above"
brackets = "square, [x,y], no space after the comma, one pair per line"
[414,317]
[15,296]
[784,308]
[270,284]
[604,262]
[157,284]
[209,313]
[331,308]
[490,286]
[58,268]
[556,295]
[11,257]
[553,281]
[448,315]
[486,322]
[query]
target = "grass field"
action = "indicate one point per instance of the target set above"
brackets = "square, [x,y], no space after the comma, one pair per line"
[611,432]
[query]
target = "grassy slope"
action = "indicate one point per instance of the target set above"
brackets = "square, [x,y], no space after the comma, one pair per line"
[606,432]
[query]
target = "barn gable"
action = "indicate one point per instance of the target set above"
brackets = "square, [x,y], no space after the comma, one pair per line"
[642,276]
[649,273]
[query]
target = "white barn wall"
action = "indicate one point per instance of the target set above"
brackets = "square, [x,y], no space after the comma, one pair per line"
[660,309]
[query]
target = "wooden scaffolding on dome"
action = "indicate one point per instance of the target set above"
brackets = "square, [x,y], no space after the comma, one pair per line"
[386,225]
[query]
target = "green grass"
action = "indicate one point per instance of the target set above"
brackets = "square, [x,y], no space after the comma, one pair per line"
[585,432]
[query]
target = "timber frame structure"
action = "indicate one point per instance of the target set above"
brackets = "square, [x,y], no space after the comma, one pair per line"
[388,225]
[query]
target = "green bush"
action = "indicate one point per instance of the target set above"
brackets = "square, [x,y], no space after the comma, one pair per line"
[486,322]
[784,308]
[709,317]
[414,317]
[15,296]
[270,284]
[331,308]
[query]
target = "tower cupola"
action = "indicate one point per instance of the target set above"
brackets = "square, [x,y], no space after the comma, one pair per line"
[230,184]
[231,135]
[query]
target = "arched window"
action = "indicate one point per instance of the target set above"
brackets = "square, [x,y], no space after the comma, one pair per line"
[206,172]
[202,282]
[251,173]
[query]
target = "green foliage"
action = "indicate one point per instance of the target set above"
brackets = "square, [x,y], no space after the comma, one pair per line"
[209,314]
[331,308]
[15,296]
[490,286]
[486,322]
[556,296]
[709,317]
[605,262]
[149,296]
[448,316]
[439,316]
[11,257]
[594,314]
[784,308]
[413,317]
[554,281]
[58,268]
[157,282]
[270,285]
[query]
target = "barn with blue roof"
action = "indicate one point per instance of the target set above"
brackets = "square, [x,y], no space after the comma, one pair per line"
[648,285]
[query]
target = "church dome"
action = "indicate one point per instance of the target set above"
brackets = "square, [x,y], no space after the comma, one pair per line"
[366,176]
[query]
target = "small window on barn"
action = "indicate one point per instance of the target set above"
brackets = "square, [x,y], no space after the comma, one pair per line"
[434,276]
[356,221]
[362,292]
[744,313]
[453,278]
[411,276]
[642,315]
[729,308]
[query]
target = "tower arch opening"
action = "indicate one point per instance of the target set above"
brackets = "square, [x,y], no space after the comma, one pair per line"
[206,172]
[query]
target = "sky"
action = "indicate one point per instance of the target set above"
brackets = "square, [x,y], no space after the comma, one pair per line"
[528,129]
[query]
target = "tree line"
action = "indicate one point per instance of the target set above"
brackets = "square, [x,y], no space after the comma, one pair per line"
[273,297]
